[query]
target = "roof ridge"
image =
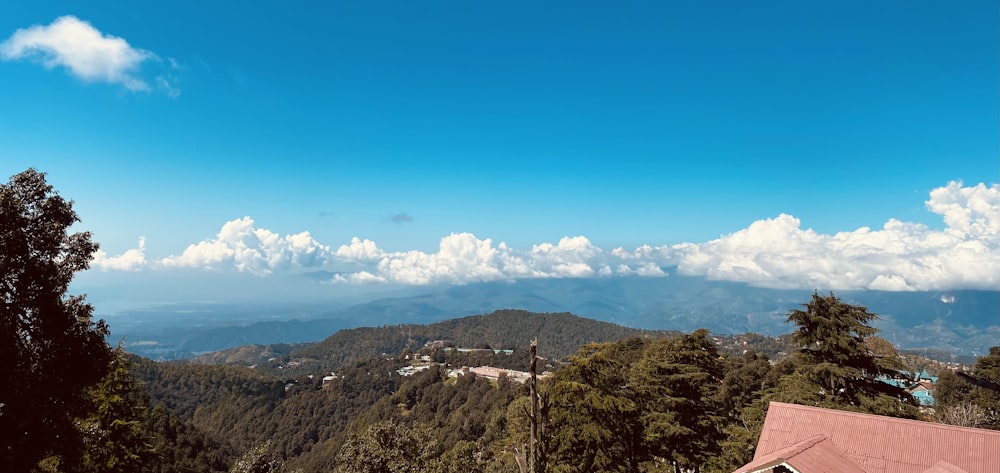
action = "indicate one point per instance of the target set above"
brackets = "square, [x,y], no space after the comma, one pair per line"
[805,444]
[894,419]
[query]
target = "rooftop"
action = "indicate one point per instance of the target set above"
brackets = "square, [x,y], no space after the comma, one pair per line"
[811,439]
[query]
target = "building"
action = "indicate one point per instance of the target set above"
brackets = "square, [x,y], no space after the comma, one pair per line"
[494,374]
[806,439]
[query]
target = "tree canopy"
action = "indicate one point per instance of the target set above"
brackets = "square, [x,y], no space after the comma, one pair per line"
[836,366]
[51,349]
[971,399]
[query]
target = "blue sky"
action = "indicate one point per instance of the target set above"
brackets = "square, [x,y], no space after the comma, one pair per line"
[667,124]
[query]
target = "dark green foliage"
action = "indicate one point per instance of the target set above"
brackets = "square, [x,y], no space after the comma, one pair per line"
[247,408]
[987,374]
[51,350]
[113,433]
[677,381]
[971,399]
[595,420]
[951,389]
[637,406]
[179,446]
[455,411]
[388,447]
[184,388]
[836,368]
[746,378]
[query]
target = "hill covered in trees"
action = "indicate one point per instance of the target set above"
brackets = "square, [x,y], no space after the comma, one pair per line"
[558,335]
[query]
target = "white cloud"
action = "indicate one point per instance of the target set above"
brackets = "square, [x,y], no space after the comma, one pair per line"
[650,269]
[461,258]
[971,212]
[360,250]
[131,260]
[901,256]
[85,52]
[255,250]
[775,252]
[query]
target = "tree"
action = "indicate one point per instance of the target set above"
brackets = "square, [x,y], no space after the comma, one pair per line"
[388,447]
[986,373]
[595,420]
[837,367]
[971,399]
[51,350]
[256,460]
[964,414]
[676,382]
[113,433]
[746,379]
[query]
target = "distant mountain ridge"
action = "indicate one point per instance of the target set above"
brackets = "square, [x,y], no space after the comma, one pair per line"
[559,334]
[961,322]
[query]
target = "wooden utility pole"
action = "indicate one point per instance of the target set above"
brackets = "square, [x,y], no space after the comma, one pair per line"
[533,416]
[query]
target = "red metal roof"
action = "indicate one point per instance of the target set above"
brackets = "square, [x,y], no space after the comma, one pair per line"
[882,444]
[944,467]
[816,454]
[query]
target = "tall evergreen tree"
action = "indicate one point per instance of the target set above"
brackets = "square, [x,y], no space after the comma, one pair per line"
[51,350]
[836,367]
[676,382]
[595,421]
[113,433]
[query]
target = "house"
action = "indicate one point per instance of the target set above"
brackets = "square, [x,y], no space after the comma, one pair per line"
[807,439]
[923,392]
[920,386]
[926,377]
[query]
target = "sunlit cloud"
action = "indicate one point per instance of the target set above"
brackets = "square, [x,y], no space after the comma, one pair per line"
[240,245]
[86,53]
[131,260]
[900,256]
[775,252]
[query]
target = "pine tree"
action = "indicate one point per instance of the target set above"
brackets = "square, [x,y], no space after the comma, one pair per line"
[114,437]
[595,421]
[676,381]
[836,367]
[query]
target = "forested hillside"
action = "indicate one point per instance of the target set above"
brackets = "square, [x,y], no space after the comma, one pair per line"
[643,402]
[558,335]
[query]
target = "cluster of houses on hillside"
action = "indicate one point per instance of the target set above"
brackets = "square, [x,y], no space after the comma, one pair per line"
[919,385]
[422,362]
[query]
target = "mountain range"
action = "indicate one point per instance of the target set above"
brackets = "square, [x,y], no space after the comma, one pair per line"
[961,322]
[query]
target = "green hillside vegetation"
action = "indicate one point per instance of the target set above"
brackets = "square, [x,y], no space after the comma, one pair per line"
[640,403]
[248,355]
[558,334]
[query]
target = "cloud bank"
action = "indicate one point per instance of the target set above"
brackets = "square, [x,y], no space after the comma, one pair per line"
[86,53]
[775,252]
[259,251]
